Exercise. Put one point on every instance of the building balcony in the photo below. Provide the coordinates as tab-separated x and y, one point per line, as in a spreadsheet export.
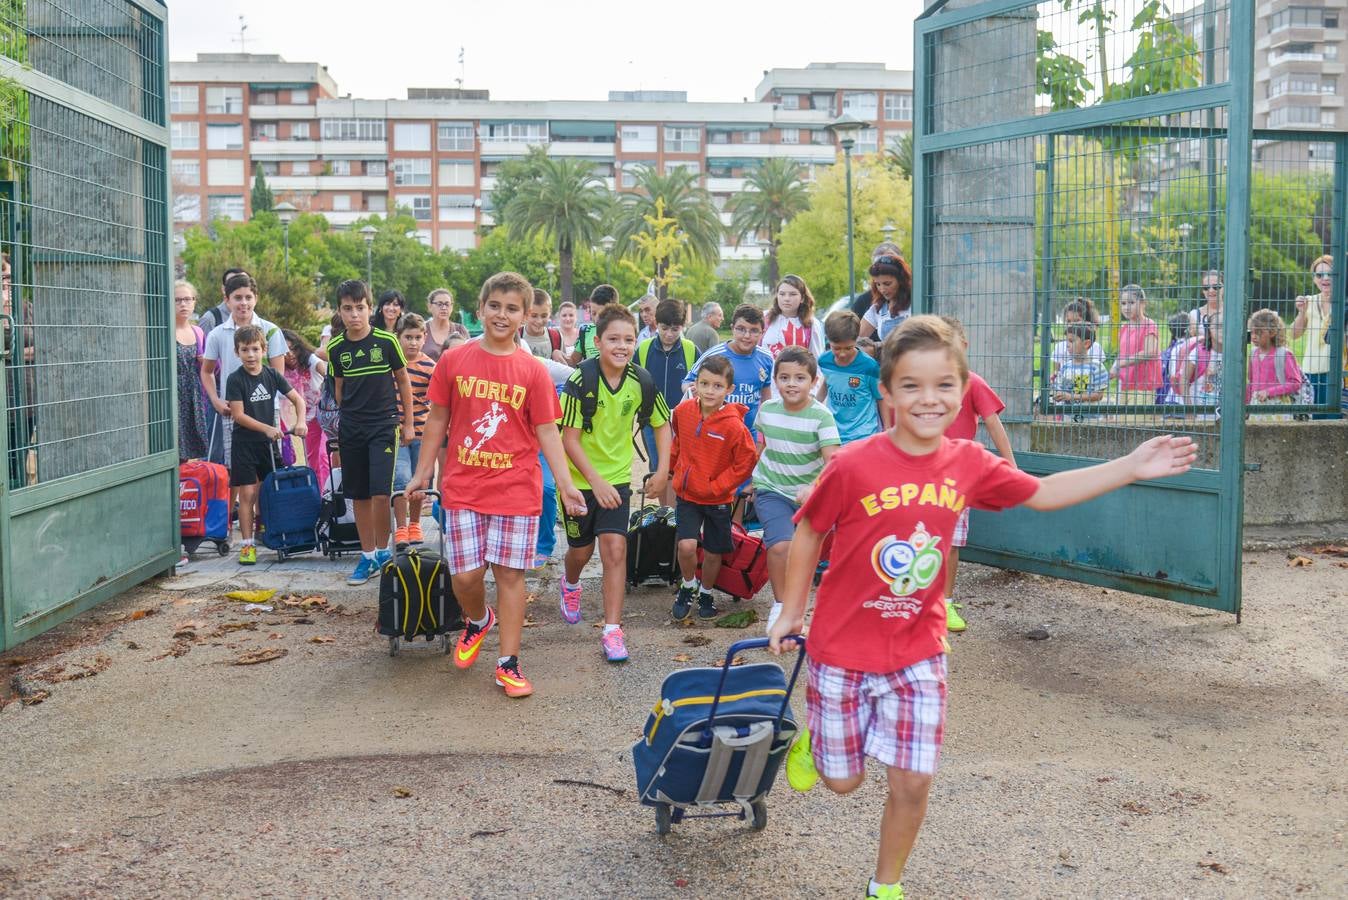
354	149
505	148
805	153
345	218
717	185
284	111
582	149
487	183
328	183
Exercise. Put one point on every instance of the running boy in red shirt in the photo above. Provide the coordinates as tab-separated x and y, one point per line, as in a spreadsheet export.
495	404
876	669
980	402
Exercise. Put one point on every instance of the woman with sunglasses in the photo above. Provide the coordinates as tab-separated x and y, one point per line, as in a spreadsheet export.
390	309
1212	302
439	328
891	296
1314	313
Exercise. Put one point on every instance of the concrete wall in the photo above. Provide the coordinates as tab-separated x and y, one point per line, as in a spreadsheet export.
1299	474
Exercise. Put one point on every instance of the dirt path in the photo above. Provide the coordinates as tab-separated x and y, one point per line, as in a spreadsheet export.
1144	749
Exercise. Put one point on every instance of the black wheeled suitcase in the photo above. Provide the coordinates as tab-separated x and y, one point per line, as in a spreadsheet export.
652	544
416	599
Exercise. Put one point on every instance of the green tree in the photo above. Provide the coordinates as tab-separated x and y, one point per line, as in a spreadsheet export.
565	204
774	194
510	176
900	156
684	201
262	198
814	243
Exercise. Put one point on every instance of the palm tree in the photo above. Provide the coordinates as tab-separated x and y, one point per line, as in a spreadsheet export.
900	155
565	202
685	201
773	194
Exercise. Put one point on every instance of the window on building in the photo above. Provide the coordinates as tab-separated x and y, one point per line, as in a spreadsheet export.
682	139
638	138
751	137
264	131
186	171
789	136
301	167
458	208
1296	115
184	136
300	97
517	132
821	136
184	99
224	100
411	136
1303	17
457	239
376	202
341	202
339	167
1321	151
861	104
868	140
224	206
376	167
419	204
457	174
687	165
270	168
411	171
265	98
187	208
718	137
451	136
299	131
898	107
353	130
629	169
822	101
224	137
790	101
224	172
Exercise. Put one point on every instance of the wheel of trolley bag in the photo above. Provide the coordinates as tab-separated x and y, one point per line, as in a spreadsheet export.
222	547
760	808
393	645
662	818
444	644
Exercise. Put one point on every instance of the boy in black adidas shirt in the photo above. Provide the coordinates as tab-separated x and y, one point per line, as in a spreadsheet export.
251	393
370	374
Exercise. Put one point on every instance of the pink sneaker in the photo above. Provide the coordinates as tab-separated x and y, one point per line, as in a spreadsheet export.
570	602
615	648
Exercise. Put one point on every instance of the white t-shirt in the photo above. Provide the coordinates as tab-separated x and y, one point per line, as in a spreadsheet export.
1062	355
220	346
787	331
882	321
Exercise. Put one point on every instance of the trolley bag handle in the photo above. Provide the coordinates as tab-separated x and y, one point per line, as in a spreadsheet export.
755	644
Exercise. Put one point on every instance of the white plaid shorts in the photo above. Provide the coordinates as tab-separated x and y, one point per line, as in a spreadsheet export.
895	718
474	539
961	536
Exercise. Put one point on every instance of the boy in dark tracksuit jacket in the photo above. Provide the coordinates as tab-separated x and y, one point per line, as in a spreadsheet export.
711	456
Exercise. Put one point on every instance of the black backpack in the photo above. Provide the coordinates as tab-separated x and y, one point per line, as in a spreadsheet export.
589	396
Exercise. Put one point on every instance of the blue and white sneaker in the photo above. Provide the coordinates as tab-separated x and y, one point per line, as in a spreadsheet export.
381	557
365	567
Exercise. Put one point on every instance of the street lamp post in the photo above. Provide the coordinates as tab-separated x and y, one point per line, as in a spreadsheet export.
1185	230
888	232
551	283
286	212
846	128
607	242
368	233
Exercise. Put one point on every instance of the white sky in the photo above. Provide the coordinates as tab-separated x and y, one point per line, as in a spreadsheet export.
540	50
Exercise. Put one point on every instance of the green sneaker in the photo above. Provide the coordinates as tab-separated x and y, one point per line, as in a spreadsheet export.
800	771
885	891
954	623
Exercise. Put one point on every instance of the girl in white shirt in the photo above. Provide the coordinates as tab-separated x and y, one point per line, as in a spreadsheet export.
791	322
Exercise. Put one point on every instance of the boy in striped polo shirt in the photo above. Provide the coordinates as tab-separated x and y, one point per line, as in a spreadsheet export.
796	436
411	331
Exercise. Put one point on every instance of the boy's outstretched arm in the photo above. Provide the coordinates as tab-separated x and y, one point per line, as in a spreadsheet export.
1160	457
800	566
1000	439
434	434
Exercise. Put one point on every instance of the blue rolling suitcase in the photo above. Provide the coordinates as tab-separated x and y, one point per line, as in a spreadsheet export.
717	737
288	504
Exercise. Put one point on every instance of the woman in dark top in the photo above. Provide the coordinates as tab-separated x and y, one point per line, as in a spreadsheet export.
390	310
440	303
190	341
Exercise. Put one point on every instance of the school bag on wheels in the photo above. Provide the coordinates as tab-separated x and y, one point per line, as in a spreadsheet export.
652	543
337	532
203	505
716	737
416	598
287	510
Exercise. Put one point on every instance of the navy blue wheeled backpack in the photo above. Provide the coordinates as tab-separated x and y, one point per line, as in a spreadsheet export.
288	504
717	736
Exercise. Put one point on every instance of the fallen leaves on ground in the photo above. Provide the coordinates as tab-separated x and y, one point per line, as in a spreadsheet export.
401	793
1299	562
321	639
58	674
1139	809
738	660
682	657
139	614
529	623
253	657
742	619
188	630
1213	866
226	627
261	596
180	648
33	698
295	601
530	597
696	640
1331	549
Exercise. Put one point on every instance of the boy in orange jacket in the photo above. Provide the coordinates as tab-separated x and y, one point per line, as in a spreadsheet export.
712	454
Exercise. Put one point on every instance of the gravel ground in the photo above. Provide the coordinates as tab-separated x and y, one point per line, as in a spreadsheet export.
1144	749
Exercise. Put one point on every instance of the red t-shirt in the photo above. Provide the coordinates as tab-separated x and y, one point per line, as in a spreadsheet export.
881	605
980	401
495	403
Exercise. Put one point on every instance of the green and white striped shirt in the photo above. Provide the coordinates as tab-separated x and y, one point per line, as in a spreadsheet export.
792	455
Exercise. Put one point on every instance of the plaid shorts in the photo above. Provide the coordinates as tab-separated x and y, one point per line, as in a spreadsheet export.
895	718
961	537
474	539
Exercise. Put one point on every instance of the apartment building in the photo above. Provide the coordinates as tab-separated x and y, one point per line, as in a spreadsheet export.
437	153
1299	55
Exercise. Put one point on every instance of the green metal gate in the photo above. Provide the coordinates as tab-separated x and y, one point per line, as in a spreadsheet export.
1068	150
88	495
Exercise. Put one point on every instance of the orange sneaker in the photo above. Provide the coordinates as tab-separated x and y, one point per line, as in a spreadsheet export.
414	535
470	642
400	536
508	677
